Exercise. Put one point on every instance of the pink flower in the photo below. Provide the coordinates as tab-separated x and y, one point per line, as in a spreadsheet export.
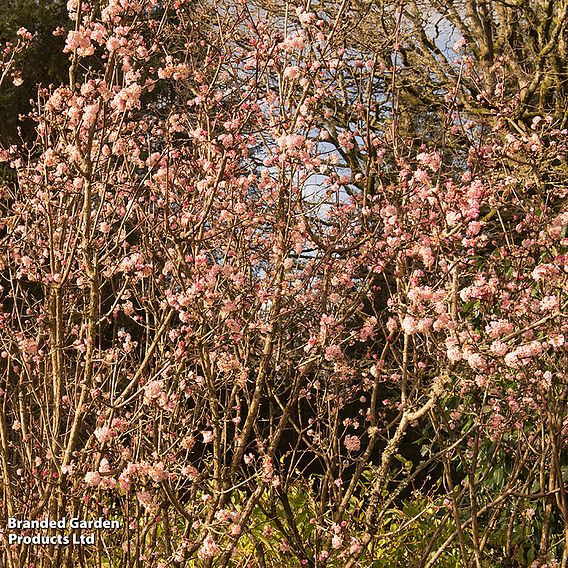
147	501
543	271
431	160
511	359
208	549
355	546
498	348
409	325
104	467
119	424
291	142
459	45
207	436
124	481
93	478
188	442
127	98
291	72
80	42
345	140
158	472
306	18
153	391
549	304
368	329
333	353
104	227
421	176
424	324
352	443
293	42
68	469
336	541
498	327
392	324
190	472
476	361
24	34
453	350
104	434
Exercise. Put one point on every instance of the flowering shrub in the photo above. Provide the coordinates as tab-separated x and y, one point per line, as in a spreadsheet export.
9	57
229	304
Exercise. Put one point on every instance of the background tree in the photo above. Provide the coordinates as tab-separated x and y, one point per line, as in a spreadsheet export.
43	63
